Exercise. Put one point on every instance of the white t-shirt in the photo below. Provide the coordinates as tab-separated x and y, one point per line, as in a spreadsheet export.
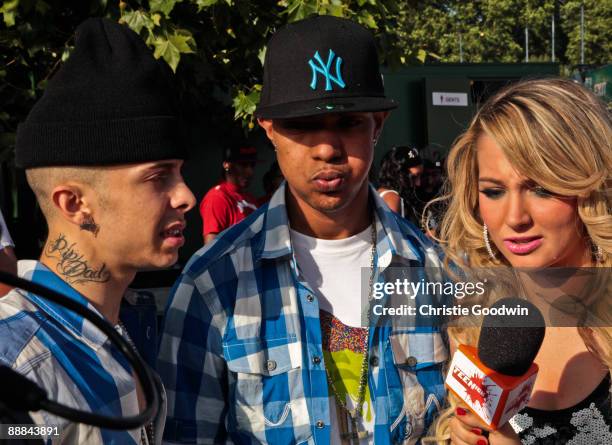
5	236
333	271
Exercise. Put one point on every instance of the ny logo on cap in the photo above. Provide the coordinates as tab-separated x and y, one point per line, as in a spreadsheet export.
324	69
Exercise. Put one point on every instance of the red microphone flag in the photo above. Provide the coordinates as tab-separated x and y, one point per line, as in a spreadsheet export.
492	396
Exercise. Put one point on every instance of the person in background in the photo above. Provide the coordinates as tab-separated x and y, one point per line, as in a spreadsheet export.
431	181
228	202
399	176
431	184
529	191
8	261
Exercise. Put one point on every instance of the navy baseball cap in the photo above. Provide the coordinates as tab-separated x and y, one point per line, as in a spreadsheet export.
320	65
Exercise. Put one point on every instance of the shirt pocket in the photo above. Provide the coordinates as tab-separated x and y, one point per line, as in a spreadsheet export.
417	381
267	399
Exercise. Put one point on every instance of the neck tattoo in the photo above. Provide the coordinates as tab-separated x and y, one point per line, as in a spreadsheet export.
72	265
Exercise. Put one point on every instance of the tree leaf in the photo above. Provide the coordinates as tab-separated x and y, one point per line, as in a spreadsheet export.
365	18
137	20
203	4
165	49
170	47
245	104
164	6
335	10
300	9
9	10
261	55
421	55
183	41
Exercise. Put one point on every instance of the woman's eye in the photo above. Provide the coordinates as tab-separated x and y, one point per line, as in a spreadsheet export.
492	193
542	192
159	178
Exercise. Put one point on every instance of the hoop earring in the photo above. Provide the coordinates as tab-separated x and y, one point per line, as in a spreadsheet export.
485	235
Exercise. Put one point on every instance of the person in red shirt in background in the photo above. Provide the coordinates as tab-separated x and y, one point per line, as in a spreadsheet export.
228	202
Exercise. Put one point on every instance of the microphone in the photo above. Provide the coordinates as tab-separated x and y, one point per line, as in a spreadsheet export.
496	379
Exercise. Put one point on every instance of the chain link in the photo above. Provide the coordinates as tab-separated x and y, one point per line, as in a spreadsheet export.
363	380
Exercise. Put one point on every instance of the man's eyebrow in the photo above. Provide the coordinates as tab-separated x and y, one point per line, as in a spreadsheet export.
161	165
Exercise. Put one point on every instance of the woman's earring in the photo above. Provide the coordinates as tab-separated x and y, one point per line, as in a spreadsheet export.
598	253
485	235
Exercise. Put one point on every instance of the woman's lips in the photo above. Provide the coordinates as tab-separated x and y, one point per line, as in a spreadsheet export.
523	246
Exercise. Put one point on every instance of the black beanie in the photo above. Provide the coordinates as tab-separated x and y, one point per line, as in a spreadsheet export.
110	103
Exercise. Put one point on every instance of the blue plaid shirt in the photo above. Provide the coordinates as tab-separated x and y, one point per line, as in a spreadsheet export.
242	329
69	357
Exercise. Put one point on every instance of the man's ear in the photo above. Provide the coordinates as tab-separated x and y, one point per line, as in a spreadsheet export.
70	203
379	121
267	125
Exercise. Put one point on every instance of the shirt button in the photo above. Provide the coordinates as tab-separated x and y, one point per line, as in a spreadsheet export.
320	424
270	365
310	298
316	359
373	361
411	361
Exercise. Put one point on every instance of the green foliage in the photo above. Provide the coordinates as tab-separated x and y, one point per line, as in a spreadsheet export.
597	30
494	30
216	47
8	10
483	30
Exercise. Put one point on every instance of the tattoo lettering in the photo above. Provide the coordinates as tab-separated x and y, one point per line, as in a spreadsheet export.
71	264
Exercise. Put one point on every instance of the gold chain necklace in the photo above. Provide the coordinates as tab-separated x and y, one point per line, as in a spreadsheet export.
357	412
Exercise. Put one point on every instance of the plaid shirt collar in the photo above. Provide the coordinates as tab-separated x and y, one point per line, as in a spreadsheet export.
276	240
76	325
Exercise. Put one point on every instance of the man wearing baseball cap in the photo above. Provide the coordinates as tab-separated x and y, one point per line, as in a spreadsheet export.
264	340
103	157
228	202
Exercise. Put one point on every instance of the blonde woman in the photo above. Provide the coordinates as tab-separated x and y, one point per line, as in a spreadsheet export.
529	187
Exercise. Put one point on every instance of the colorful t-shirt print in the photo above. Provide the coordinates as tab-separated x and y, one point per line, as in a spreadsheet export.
343	349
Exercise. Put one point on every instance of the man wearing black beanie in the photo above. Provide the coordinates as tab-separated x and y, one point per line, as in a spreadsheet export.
101	153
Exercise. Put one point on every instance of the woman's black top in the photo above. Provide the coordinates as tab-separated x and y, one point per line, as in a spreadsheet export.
587	423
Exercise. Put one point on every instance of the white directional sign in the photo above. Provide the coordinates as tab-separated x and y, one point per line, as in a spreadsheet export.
449	99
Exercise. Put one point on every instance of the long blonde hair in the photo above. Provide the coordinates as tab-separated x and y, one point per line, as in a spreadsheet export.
558	134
